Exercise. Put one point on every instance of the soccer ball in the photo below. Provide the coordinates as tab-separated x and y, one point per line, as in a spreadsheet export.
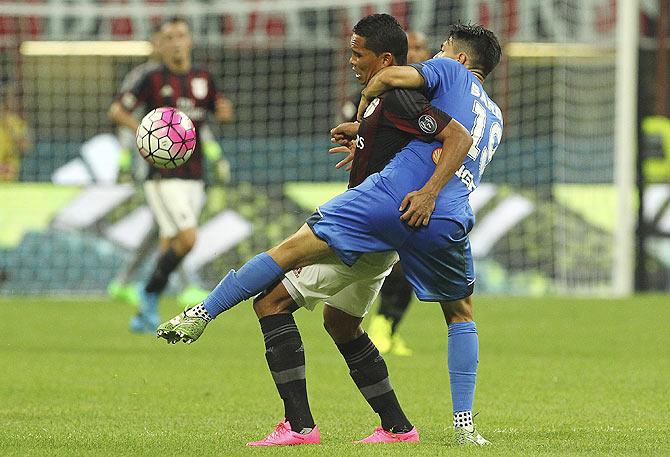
166	137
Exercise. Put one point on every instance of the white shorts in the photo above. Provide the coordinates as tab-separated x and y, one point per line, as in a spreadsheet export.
349	289
175	203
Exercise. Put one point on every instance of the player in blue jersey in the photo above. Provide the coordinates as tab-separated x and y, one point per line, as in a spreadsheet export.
436	257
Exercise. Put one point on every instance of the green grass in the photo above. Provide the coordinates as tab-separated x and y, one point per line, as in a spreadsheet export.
556	377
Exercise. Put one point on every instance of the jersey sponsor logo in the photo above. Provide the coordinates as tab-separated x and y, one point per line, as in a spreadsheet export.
371	107
199	87
166	91
428	124
466	177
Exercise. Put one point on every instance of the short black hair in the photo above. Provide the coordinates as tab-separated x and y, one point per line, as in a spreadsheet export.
383	33
480	43
156	28
176	20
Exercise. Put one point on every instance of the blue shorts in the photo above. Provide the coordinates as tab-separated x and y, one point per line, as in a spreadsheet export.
436	259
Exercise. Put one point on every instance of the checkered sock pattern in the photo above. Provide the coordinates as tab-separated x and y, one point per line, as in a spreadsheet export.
199	311
463	419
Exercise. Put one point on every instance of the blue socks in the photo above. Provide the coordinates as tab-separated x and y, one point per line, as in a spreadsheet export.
463	355
254	277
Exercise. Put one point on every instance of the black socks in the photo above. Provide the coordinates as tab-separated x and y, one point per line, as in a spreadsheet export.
166	264
368	370
286	359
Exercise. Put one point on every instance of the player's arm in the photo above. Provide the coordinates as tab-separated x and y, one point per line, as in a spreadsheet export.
399	77
420	204
121	116
133	92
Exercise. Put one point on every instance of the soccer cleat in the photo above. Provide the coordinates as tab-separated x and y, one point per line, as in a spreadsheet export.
380	333
137	324
469	436
284	436
124	292
182	327
382	436
399	347
148	309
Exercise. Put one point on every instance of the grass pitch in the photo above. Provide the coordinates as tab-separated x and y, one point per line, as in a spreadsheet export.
556	377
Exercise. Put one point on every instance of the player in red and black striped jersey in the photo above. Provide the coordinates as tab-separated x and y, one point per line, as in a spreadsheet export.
175	196
392	120
396	293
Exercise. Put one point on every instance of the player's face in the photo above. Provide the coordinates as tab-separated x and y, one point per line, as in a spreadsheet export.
364	62
176	42
417	50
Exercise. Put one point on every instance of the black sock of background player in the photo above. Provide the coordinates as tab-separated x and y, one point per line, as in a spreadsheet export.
368	370
286	359
396	293
166	264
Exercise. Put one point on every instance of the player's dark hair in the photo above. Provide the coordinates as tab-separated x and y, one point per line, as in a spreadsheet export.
480	43
176	20
156	28
383	33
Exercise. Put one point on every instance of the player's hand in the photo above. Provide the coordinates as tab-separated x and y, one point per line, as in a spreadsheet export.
224	110
350	151
420	205
344	133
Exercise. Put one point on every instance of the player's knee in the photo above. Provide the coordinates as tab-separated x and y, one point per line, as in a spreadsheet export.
458	310
185	241
341	330
274	301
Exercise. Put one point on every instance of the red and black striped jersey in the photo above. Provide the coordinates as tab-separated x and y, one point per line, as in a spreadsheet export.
390	122
194	93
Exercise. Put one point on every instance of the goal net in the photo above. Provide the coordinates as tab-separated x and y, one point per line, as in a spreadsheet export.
72	213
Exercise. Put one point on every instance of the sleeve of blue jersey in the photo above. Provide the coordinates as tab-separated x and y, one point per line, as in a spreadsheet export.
438	74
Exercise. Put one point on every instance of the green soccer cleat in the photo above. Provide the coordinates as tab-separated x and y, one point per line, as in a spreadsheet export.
186	327
469	436
399	346
124	292
380	332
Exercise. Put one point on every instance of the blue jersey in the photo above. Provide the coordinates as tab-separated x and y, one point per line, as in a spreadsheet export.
457	92
437	259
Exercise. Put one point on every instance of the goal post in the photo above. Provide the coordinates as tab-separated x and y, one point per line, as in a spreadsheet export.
626	128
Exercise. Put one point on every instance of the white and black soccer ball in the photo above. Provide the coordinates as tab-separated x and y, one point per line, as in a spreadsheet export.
166	137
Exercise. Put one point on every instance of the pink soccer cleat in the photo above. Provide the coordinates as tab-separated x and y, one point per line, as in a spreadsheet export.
382	436
284	436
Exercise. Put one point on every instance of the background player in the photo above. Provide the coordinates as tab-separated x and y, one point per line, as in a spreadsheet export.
191	89
121	288
396	292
